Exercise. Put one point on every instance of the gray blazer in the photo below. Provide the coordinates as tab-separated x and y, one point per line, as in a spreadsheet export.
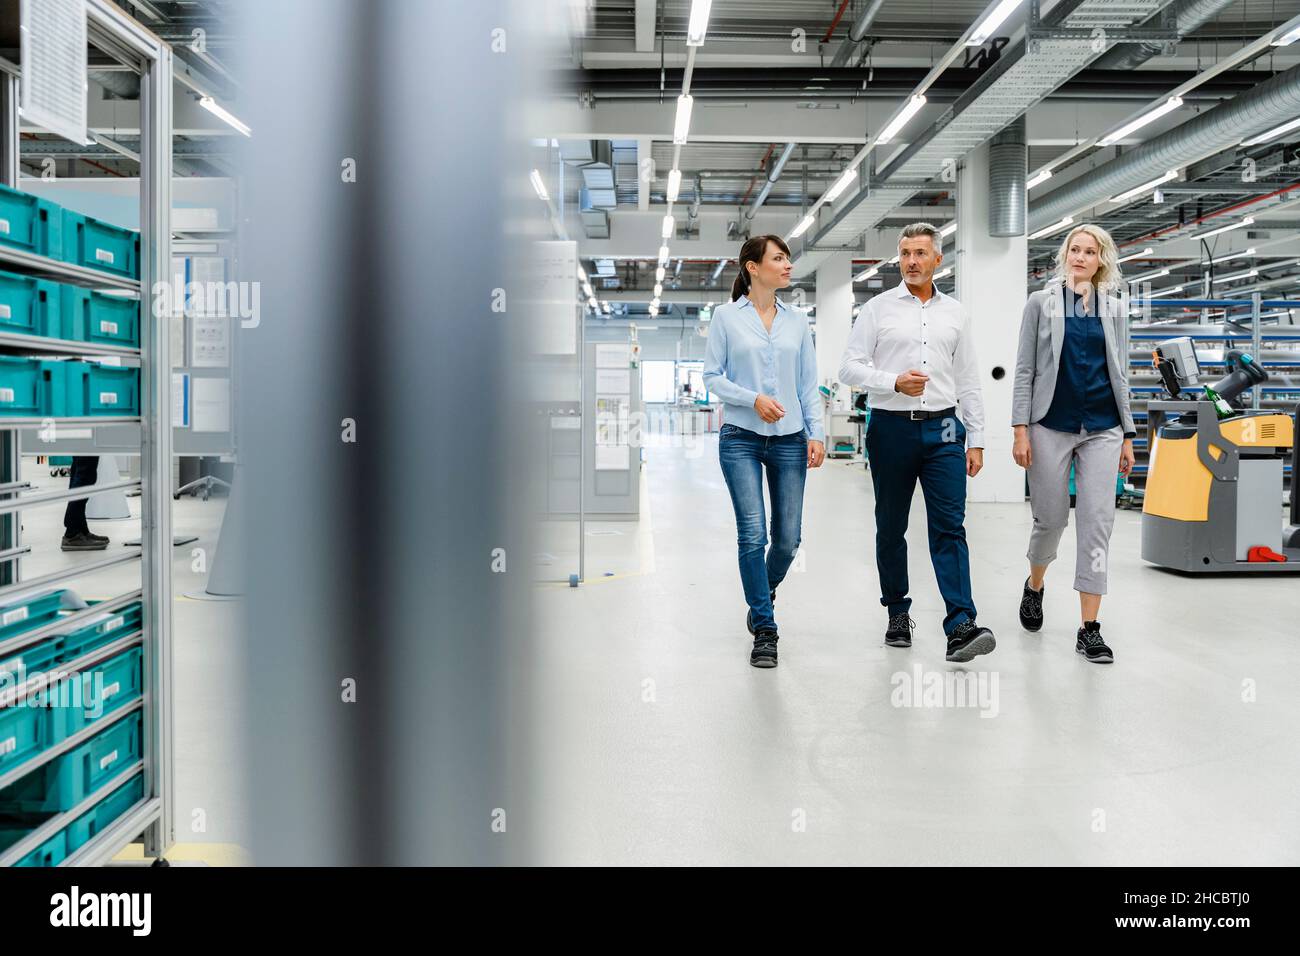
1042	331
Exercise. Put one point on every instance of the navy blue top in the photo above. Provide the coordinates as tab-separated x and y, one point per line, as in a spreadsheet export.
1083	397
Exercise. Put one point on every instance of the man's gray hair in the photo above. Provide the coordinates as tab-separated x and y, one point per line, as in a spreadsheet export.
922	229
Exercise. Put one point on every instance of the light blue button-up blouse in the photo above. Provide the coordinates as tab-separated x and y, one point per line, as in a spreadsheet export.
743	360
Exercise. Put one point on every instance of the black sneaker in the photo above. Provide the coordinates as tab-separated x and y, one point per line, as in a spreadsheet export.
968	640
899	631
764	652
749	615
1091	646
96	537
1031	607
83	542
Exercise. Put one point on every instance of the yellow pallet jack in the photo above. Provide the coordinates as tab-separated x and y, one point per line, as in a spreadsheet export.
1215	479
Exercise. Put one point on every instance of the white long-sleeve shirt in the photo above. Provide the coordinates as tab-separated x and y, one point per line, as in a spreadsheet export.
896	332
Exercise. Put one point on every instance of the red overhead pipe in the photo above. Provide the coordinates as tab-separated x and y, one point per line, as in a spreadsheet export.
836	22
1211	215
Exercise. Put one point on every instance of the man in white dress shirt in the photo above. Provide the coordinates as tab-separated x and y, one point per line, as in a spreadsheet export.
912	350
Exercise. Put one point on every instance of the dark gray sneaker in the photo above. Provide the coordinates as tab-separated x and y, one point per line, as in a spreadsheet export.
749	615
97	537
1031	607
1091	646
83	542
899	631
764	652
968	640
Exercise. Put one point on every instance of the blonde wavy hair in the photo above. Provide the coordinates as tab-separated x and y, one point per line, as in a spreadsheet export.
1107	277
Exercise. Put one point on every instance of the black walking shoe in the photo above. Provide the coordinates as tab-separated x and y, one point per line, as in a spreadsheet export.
1091	646
1031	607
968	640
764	652
899	631
96	537
749	615
83	542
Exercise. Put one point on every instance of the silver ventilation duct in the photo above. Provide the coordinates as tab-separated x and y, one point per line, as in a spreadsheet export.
1008	162
1188	14
1270	104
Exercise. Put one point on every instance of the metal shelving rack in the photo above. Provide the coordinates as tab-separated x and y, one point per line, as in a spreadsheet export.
114	33
1258	338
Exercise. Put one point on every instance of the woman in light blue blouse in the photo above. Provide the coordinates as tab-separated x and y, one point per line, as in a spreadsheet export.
760	362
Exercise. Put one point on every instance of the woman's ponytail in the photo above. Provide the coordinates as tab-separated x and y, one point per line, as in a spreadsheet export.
741	285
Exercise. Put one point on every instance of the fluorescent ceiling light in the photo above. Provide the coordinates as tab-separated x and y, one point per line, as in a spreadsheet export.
948	230
914	103
1168	106
539	187
219	111
1232	278
1248	221
863	276
894	261
667	230
1038	179
582	275
648	328
674	184
663	254
698	24
604	307
1286	39
586	289
1176	288
1145	187
841	184
990	23
654	303
945	272
1054	227
659	290
659	274
682	125
1137	255
1233	255
800	229
1148	277
1274	132
722	263
654	310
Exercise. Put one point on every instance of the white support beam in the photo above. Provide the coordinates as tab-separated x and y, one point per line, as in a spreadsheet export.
715	122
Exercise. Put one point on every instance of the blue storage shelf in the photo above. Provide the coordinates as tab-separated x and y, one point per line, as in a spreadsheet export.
94	244
62	783
90	316
30	306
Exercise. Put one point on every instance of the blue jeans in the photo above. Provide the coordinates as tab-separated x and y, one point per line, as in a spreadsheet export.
743	455
933	451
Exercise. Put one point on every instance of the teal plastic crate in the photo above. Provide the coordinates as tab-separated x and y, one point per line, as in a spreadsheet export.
29	611
101	631
50	853
106	812
104	688
26	731
27	386
31	224
89	316
31	306
71	777
96	244
88	389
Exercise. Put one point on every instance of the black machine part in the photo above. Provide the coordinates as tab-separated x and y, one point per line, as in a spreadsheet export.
1243	373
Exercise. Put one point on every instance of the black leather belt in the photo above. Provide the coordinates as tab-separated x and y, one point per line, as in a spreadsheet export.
916	416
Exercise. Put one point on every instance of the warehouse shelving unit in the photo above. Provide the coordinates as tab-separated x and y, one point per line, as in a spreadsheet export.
1275	347
114	33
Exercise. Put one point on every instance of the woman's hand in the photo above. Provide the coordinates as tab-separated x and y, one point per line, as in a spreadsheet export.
1021	451
816	453
769	409
1126	457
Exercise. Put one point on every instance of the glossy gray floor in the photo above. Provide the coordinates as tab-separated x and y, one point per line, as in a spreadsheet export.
656	742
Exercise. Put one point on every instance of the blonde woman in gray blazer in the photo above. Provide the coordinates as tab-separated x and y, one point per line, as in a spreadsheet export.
1070	406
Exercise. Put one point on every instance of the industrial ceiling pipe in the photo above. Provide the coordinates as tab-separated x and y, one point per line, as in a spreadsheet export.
857	32
773	174
1270	104
1189	14
1008	162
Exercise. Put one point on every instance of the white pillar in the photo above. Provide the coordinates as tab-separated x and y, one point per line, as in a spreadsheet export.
834	319
992	284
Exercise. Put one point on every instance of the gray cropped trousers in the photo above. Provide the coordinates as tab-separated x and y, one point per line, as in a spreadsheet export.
1096	464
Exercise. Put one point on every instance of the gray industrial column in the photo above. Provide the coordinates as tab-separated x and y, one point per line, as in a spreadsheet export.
991	284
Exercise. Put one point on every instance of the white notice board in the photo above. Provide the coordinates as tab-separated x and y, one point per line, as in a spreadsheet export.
557	293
